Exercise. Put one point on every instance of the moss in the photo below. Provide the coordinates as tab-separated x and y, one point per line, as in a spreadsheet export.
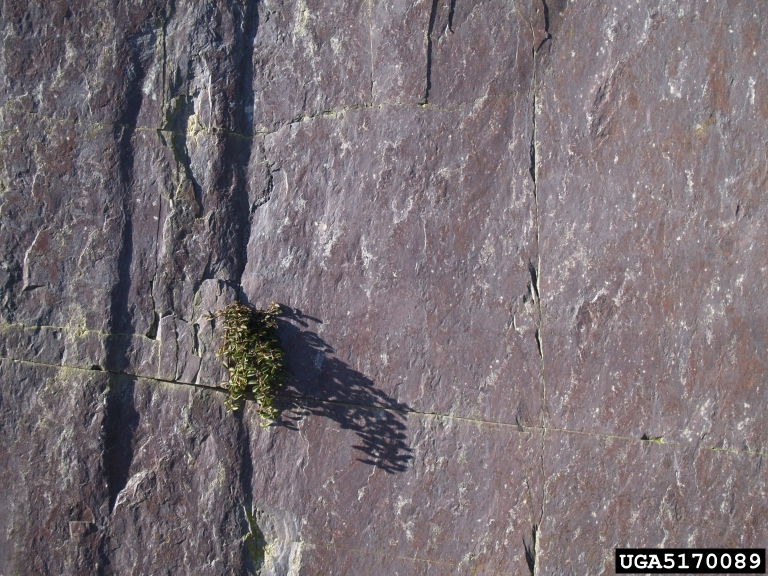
251	352
657	439
255	543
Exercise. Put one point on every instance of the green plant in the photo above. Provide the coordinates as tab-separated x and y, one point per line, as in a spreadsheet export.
255	543
251	352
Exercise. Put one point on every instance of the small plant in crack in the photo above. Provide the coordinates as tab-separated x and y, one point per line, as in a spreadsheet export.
251	352
657	439
255	544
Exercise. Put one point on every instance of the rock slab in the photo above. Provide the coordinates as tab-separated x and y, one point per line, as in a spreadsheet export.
520	251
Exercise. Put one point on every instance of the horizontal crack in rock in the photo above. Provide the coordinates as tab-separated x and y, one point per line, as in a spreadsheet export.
380	107
513	426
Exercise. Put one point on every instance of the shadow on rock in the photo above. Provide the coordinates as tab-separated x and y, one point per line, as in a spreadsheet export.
322	385
120	422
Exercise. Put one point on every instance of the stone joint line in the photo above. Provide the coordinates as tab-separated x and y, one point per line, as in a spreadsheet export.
210	130
513	426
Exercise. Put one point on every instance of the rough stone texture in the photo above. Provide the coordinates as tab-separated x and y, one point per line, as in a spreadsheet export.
54	497
602	493
515	242
398	276
651	166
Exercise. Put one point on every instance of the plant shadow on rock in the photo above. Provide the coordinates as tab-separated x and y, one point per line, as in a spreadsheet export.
320	384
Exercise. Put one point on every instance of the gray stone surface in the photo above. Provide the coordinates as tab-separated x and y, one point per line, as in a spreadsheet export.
55	500
602	493
520	249
652	183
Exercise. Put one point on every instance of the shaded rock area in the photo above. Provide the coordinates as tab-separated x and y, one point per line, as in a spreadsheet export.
520	248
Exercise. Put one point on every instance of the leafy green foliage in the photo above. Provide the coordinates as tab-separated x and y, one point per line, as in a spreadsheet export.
251	352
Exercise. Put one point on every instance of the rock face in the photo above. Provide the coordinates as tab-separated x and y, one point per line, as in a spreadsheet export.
514	241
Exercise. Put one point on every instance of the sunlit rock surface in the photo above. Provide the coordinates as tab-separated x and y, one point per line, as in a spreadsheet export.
520	249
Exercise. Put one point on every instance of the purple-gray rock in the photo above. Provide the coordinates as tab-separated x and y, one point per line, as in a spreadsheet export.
520	249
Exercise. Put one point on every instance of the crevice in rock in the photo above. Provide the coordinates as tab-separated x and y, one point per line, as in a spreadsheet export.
120	313
534	280
534	265
537	335
543	500
77	331
120	421
119	307
166	89
96	367
244	88
432	17
153	328
246	489
239	154
370	36
647	438
119	320
547	35
195	339
530	551
532	148
534	269
450	15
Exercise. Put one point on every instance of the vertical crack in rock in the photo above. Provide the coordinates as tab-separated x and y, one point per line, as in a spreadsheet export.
120	321
120	421
538	343
531	546
532	150
537	525
158	248
121	417
247	47
450	15
534	269
432	17
270	186
164	88
534	266
370	36
530	551
246	491
241	156
547	35
158	216
534	292
153	328
164	105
